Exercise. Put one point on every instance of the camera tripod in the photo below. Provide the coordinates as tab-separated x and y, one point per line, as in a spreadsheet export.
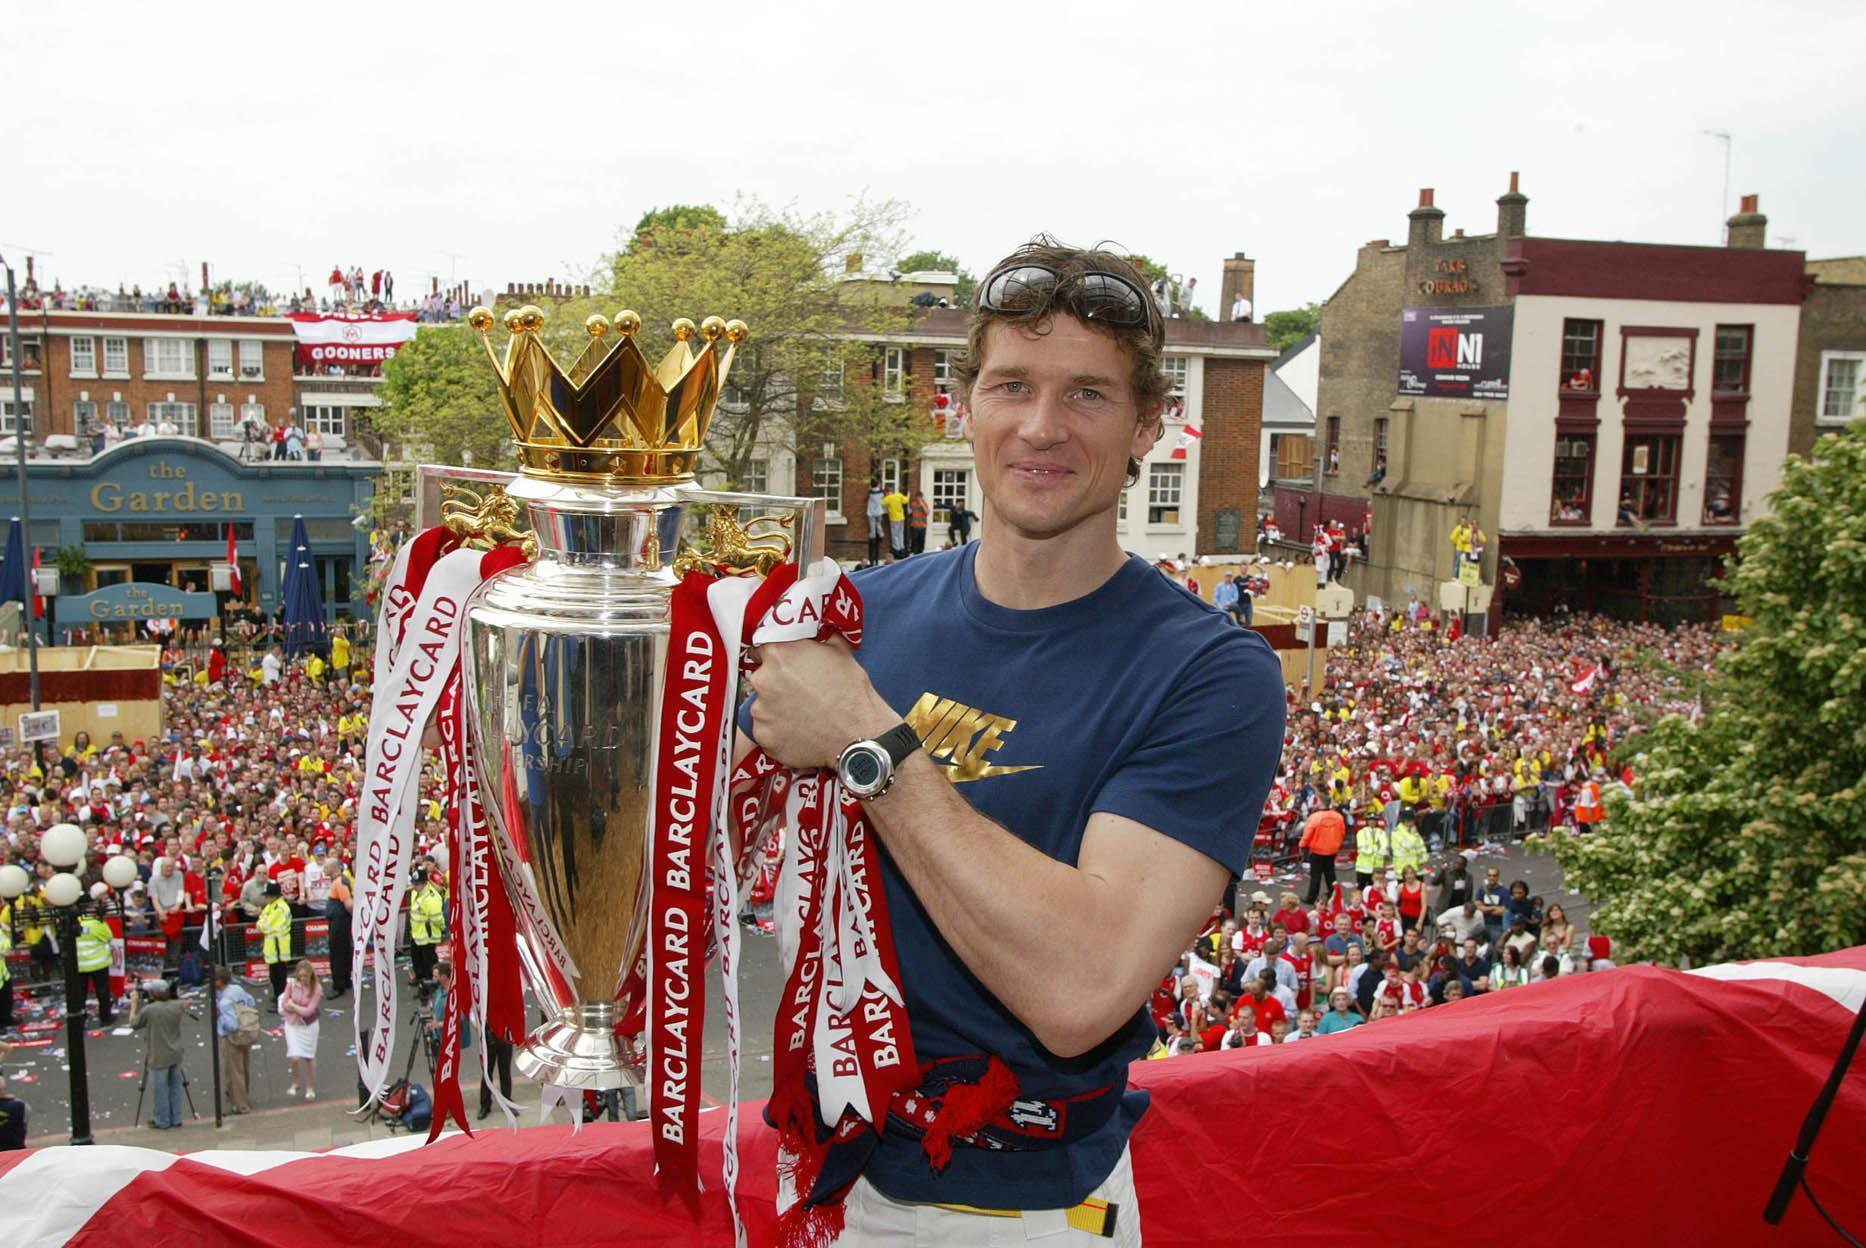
142	1084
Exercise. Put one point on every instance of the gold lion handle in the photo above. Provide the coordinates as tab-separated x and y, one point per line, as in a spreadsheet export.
484	517
792	528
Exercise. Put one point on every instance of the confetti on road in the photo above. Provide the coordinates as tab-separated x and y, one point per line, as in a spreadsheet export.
123	1031
25	1078
32	1044
127	1074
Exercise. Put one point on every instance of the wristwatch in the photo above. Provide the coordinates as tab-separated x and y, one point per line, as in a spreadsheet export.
866	768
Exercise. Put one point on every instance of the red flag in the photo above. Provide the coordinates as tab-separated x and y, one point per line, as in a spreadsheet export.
233	562
38	599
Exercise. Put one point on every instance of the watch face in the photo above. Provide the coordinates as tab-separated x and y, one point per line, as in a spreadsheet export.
862	769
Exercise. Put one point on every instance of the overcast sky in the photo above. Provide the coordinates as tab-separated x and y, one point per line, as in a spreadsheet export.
511	142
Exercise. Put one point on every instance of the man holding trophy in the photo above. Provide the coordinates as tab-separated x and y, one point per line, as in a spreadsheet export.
1064	755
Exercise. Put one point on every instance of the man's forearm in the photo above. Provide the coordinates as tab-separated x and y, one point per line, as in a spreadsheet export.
1037	932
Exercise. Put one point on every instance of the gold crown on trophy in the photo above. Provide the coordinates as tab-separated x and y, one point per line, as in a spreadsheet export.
612	416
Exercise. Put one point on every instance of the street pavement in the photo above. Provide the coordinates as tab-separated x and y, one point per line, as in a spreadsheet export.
38	1075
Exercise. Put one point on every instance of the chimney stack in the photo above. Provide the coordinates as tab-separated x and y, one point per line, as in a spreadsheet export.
1428	221
1240	278
1512	211
1748	227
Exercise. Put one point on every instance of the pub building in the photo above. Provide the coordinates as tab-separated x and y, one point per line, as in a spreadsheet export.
1612	415
153	512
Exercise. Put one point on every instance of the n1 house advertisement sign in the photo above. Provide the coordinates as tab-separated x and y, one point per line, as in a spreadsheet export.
1455	353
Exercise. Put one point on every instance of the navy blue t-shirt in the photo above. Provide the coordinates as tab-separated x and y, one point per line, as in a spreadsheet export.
1137	699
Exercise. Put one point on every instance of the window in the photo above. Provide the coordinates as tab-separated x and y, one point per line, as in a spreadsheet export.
1164	482
1649	479
827	385
83	412
8	419
116	357
167	357
1723	479
1332	463
326	419
29	350
757	476
889	470
181	415
252	360
117	412
1120	514
894	374
952	487
1840	390
1177	368
84	357
945	372
826	482
1580	355
1730	369
1380	446
220	358
219	420
1572	499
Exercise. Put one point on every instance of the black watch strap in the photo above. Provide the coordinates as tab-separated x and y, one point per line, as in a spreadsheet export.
899	741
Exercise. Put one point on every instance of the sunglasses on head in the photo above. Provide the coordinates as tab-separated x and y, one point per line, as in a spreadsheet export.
1096	295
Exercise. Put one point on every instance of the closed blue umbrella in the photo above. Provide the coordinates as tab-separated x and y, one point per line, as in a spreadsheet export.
303	600
13	573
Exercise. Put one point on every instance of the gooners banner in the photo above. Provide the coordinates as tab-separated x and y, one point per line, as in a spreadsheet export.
325	340
1455	353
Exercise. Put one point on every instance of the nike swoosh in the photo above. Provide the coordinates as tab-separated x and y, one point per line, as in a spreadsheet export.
954	774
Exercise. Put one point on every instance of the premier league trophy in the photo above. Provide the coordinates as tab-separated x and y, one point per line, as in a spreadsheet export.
565	658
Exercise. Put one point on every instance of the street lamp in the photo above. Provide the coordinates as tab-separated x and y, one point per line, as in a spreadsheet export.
63	845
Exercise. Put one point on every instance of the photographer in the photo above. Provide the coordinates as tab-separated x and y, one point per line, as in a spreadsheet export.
160	1016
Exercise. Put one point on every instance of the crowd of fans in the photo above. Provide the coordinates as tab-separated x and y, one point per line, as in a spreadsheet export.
348	291
1418	749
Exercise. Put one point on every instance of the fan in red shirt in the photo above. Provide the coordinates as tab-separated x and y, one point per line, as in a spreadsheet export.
1291	916
1303	963
1258	1002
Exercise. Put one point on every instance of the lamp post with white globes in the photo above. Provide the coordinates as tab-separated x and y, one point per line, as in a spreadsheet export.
63	846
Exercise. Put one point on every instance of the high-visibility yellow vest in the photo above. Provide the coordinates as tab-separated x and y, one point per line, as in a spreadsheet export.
93	945
275	923
6	944
424	915
1408	848
1370	848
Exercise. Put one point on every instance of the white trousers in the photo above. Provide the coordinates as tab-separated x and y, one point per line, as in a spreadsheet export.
873	1220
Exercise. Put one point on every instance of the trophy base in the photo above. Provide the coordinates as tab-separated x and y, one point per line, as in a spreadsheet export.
577	1049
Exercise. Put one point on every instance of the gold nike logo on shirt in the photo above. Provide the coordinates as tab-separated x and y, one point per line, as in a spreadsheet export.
958	737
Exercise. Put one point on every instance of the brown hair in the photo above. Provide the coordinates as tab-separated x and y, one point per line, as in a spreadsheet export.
1143	343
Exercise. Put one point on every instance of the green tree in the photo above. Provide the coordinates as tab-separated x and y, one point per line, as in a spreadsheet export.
440	401
811	370
677	226
1285	329
1747	836
938	260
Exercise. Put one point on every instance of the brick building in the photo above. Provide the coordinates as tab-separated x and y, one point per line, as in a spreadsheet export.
1613	415
1830	373
200	373
154	511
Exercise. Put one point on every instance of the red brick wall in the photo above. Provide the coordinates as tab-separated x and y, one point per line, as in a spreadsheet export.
56	389
1232	426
